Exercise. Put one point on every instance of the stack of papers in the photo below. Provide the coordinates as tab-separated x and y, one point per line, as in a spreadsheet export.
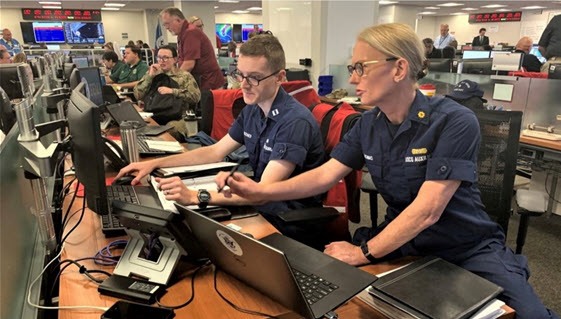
146	115
166	146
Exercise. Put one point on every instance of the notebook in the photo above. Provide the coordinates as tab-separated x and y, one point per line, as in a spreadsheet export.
299	277
125	111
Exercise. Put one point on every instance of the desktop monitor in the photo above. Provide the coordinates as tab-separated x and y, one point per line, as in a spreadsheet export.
475	54
81	62
465	48
537	53
27	32
247	29
92	79
439	65
507	62
224	32
237	33
478	66
48	32
74	79
53	47
9	80
554	71
84	32
497	52
68	69
87	149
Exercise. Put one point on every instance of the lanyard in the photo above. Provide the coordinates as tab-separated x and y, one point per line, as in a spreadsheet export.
442	39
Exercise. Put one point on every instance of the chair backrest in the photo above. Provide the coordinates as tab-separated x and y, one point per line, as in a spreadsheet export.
496	161
302	91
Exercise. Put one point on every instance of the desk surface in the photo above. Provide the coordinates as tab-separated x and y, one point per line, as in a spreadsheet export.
554	145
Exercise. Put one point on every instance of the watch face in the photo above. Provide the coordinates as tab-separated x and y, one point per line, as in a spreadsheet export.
204	196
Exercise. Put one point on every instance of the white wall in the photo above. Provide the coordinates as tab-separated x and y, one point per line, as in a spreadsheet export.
239	18
10	18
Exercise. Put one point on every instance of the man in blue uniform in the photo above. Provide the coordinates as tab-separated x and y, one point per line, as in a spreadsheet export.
281	136
11	44
421	154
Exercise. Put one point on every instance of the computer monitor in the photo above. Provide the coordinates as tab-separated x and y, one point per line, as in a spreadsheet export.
247	29
465	48
507	62
224	32
74	79
87	149
439	65
81	62
475	54
237	33
84	32
53	47
9	81
554	71
27	32
68	69
478	66
48	32
92	78
537	53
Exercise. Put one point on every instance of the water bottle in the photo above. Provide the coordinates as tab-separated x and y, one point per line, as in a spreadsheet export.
129	140
191	123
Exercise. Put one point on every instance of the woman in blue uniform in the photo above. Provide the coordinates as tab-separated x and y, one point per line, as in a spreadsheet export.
422	155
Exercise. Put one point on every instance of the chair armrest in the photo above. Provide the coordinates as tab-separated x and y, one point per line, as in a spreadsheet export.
367	185
315	214
530	202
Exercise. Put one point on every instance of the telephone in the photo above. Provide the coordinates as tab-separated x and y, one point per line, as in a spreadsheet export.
114	154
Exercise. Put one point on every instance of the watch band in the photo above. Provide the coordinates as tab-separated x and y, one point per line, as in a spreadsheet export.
366	252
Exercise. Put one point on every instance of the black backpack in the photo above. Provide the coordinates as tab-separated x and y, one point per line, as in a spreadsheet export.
166	107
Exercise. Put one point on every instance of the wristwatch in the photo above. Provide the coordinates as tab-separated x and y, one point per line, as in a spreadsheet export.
204	197
366	252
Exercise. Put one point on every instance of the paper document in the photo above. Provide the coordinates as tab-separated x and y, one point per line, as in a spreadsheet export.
168	146
146	115
351	100
168	171
206	182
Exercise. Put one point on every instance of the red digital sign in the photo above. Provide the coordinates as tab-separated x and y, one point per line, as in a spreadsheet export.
495	17
61	14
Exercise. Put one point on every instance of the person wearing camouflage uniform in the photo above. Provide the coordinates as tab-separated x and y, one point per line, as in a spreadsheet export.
188	89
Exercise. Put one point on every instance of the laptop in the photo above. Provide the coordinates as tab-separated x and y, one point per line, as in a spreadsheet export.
125	111
299	277
109	95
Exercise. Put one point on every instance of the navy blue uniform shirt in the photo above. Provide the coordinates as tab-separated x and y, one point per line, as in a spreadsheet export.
289	132
438	140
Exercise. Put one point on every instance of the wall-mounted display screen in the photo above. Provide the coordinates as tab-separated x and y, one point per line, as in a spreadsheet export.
237	33
495	17
84	32
27	32
224	32
247	29
48	32
61	14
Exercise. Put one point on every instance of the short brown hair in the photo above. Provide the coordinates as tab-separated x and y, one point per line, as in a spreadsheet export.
267	46
173	12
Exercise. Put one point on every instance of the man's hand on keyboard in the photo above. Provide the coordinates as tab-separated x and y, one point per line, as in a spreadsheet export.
175	190
142	169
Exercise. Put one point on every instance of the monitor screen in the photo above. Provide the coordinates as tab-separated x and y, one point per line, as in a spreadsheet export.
48	32
247	29
537	53
498	52
53	47
84	32
466	47
476	54
81	62
91	77
27	32
237	33
478	66
224	32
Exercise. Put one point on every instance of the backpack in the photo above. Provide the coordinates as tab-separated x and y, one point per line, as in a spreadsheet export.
166	107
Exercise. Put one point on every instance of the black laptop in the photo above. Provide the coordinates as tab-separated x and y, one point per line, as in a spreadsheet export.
125	111
297	276
109	94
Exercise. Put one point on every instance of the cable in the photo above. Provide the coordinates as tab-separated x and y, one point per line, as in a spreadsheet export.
62	307
192	291
250	312
68	260
68	211
105	255
552	196
79	220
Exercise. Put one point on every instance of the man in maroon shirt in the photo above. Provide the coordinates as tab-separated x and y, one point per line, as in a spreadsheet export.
196	53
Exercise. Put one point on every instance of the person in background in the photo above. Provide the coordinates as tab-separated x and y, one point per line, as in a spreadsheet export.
12	45
135	70
448	52
113	64
550	42
198	22
19	58
529	61
422	155
444	38
481	39
194	49
5	57
139	44
254	32
131	43
281	136
232	46
430	51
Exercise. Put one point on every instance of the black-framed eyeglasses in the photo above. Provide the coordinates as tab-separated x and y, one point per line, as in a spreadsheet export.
163	58
359	66
251	80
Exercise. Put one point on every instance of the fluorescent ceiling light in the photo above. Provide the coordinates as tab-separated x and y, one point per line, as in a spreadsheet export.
110	9
458	13
114	4
52	7
450	4
383	2
215	7
284	9
502	10
432	8
50	2
427	12
494	6
255	9
532	7
228	1
240	11
470	9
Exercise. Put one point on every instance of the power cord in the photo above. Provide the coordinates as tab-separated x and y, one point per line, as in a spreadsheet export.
79	220
250	312
192	291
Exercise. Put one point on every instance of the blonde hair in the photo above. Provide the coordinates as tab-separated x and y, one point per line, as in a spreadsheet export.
193	19
400	41
20	57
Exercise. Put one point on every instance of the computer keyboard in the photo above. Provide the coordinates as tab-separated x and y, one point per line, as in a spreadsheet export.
110	225
542	135
143	146
313	287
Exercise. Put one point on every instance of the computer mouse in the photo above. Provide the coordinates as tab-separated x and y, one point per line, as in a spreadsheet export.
123	180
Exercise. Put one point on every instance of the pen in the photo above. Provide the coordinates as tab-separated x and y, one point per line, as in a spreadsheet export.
232	171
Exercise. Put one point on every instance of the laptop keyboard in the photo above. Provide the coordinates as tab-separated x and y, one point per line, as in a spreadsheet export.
143	146
313	287
110	225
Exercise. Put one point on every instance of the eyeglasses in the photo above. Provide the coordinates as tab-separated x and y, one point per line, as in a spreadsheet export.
251	80
163	58
359	66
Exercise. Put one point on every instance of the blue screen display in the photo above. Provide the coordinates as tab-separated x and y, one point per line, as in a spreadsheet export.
224	32
48	32
247	29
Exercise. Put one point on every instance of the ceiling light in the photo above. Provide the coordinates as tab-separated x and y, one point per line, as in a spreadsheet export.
284	9
52	7
427	12
432	8
502	10
114	4
255	9
51	2
450	4
383	2
240	11
494	6
470	9
110	9
532	7
215	7
228	1
458	13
